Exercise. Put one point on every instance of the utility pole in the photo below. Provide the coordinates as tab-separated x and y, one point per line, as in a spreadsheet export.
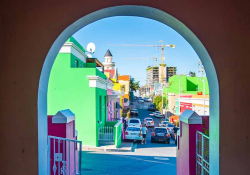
204	86
179	76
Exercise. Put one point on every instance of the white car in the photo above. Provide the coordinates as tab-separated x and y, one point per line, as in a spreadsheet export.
149	121
155	113
163	123
141	101
159	115
150	100
134	122
170	127
133	133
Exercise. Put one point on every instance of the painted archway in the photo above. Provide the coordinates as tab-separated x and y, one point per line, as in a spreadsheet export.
140	11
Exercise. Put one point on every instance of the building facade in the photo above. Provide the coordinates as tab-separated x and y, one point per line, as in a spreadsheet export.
75	83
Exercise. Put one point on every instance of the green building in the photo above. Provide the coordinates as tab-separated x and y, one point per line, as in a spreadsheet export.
75	83
187	85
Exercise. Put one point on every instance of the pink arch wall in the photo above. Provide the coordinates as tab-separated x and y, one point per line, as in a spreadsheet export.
30	28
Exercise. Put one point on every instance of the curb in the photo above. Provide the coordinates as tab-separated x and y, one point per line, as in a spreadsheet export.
121	150
109	150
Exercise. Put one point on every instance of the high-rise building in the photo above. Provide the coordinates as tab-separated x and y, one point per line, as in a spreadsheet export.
171	71
152	76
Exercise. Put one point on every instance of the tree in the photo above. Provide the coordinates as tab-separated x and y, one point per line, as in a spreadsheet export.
192	74
134	85
158	102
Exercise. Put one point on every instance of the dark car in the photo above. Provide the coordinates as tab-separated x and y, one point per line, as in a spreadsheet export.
160	134
134	112
151	107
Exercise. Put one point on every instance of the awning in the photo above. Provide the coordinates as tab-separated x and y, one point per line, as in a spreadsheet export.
118	106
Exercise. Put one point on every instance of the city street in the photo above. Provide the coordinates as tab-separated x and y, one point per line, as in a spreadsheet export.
150	158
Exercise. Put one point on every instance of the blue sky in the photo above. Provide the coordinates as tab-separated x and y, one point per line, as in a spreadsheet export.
137	30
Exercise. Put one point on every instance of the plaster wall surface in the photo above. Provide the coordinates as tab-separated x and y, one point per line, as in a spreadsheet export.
30	28
69	89
183	151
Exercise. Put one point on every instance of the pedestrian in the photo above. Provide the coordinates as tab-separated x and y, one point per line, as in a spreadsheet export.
144	131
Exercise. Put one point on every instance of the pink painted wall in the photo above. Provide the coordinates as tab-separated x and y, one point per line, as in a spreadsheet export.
186	154
183	151
64	130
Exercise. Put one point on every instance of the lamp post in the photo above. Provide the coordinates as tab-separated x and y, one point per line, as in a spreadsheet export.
179	76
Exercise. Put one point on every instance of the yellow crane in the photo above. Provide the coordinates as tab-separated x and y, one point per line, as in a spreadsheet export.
162	46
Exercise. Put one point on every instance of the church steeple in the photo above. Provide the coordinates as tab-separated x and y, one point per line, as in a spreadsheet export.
108	64
108	53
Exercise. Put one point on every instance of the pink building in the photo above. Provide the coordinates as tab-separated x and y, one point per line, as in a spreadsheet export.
190	122
63	125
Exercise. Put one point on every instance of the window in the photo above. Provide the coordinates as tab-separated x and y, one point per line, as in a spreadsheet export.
134	121
157	130
100	109
133	129
76	63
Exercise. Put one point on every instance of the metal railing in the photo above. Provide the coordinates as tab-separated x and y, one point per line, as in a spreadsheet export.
106	134
64	156
202	154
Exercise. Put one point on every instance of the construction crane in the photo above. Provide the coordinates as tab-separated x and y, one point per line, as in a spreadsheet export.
156	64
162	46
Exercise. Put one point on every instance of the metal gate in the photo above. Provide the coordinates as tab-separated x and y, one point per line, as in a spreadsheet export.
106	135
202	154
64	156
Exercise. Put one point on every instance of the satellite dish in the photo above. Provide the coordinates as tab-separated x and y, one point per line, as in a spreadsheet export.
89	55
91	47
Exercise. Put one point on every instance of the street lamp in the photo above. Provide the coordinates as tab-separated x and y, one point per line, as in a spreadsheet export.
179	76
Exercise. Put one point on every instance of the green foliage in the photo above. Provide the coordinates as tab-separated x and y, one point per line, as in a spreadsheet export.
158	102
134	85
192	74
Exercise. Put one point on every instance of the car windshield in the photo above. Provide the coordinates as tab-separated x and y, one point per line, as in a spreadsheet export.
133	129
170	125
134	121
160	130
149	119
165	122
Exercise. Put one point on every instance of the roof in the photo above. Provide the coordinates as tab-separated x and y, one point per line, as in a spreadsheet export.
190	117
108	54
123	77
95	60
63	116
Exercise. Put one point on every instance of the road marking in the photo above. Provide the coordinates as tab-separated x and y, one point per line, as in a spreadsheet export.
161	158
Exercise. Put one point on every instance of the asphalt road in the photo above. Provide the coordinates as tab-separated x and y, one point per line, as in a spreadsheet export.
150	158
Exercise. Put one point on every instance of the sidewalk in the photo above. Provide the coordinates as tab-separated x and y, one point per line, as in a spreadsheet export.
124	147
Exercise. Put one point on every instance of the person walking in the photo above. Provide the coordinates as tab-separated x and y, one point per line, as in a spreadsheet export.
144	131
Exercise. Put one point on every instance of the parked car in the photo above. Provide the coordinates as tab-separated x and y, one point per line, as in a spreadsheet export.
134	112
149	121
150	100
141	101
133	133
156	112
163	123
159	115
160	134
134	122
174	132
151	107
169	127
